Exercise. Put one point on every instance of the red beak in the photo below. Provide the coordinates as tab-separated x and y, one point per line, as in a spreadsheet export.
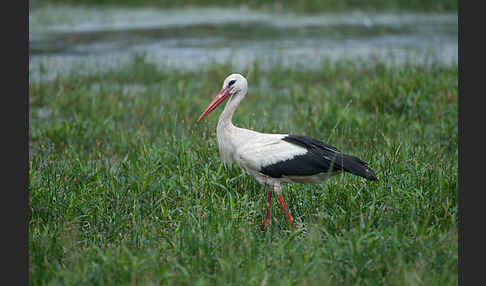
220	97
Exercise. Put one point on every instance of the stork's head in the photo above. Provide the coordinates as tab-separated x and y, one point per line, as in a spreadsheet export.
234	86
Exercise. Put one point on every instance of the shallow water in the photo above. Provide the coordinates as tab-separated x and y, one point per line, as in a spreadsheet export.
64	39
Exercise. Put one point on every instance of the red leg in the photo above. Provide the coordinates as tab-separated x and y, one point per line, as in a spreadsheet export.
284	207
267	219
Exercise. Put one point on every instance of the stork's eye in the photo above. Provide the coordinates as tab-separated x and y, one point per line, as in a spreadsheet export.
231	82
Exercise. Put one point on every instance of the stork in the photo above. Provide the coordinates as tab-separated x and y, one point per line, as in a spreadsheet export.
276	159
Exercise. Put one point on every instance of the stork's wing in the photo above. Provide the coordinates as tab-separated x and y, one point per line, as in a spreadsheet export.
265	150
294	155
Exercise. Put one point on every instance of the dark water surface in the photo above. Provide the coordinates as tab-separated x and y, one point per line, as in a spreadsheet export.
63	39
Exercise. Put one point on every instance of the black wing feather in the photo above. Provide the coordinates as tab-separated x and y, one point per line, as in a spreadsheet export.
320	158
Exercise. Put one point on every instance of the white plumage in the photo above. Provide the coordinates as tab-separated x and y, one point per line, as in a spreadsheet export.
273	159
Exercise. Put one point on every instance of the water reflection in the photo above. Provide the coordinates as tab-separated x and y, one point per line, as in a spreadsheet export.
64	38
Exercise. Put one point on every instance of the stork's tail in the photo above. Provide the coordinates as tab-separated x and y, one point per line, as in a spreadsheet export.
356	166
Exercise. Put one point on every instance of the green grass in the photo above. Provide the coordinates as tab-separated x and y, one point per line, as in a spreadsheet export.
127	189
306	6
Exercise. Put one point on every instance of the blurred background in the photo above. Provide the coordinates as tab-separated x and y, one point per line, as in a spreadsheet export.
126	188
77	35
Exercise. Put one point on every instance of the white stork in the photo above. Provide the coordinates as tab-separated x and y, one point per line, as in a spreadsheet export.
274	159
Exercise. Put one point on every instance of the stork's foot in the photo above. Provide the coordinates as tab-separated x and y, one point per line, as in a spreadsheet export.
267	218
262	226
292	226
284	207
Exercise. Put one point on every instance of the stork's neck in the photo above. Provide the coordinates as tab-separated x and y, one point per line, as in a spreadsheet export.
228	135
225	119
